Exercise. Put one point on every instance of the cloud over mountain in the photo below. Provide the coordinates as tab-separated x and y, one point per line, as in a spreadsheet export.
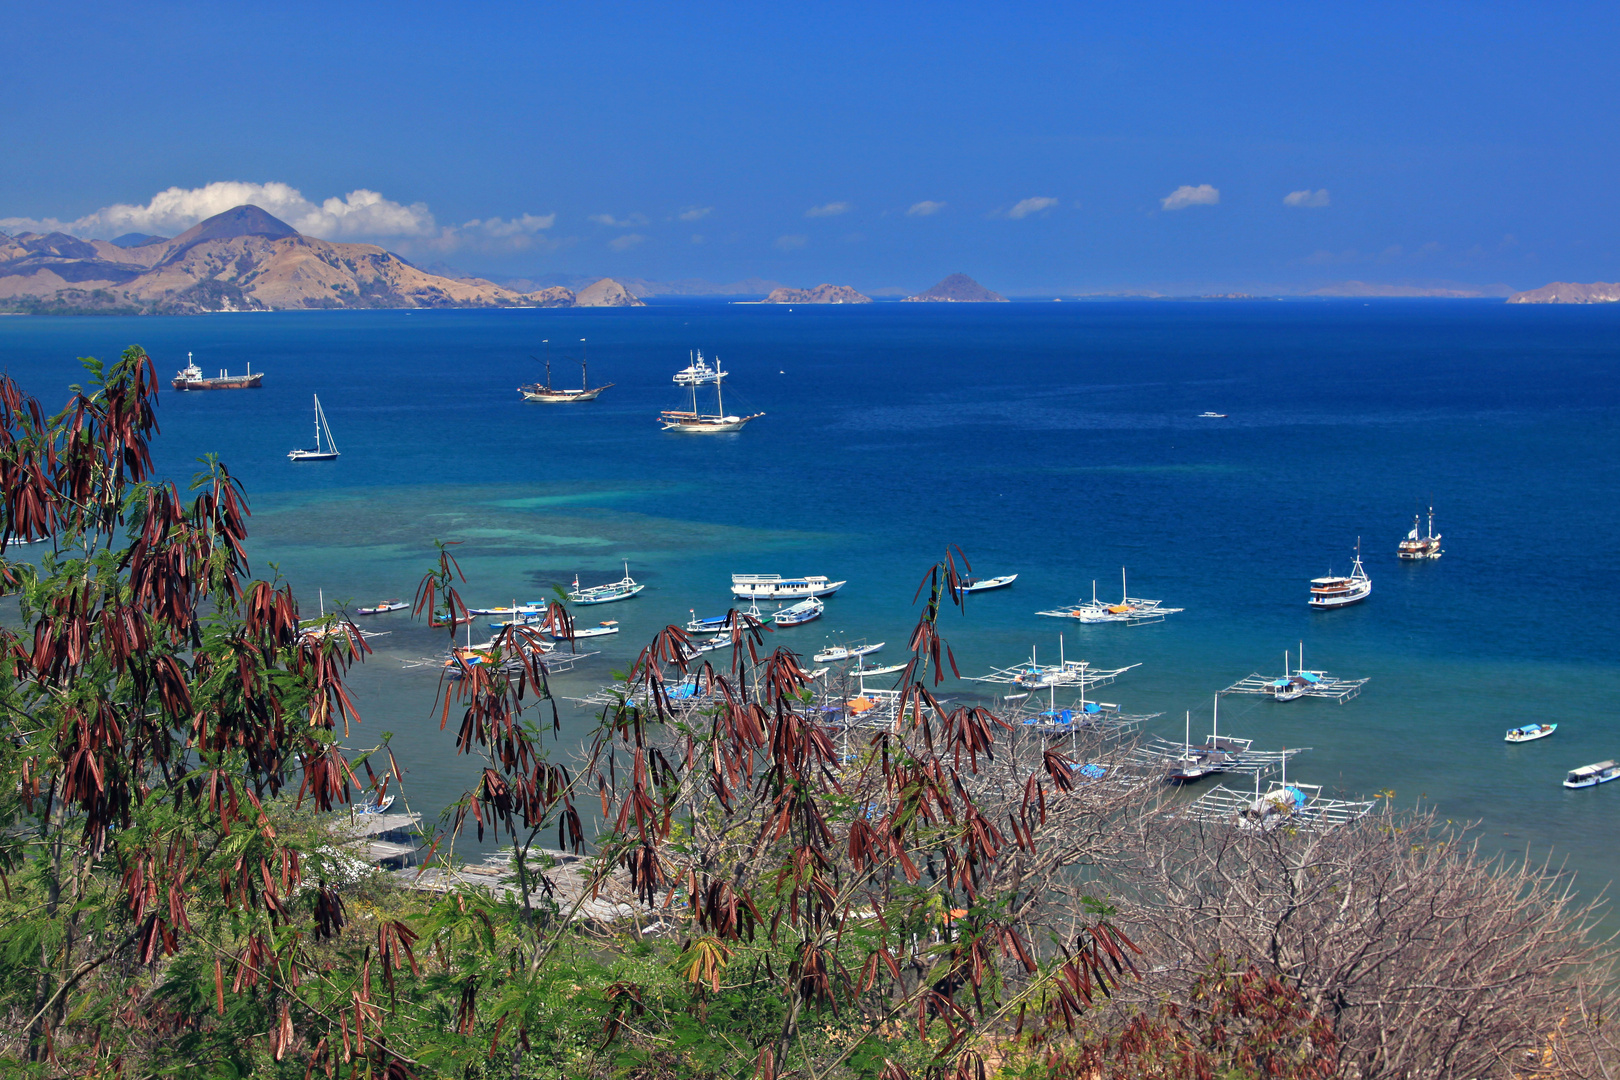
360	214
1186	195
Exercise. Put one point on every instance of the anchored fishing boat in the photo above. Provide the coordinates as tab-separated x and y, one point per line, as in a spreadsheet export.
191	377
777	587
835	653
1131	610
1592	775
1337	592
601	629
1530	732
555	395
1421	547
717	422
1033	675
1300	682
329	451
622	589
802	612
387	605
532	607
986	584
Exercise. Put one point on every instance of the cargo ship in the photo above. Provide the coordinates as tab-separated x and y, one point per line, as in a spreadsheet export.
191	377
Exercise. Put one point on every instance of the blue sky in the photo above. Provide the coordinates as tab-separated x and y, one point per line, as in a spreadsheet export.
1040	148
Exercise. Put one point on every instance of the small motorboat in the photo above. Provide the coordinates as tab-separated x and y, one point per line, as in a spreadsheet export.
1530	732
1212	416
374	805
517	620
986	584
1592	775
601	629
532	607
845	652
797	614
386	605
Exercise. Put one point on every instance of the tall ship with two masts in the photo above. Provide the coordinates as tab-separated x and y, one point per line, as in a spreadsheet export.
191	377
696	374
1421	547
557	395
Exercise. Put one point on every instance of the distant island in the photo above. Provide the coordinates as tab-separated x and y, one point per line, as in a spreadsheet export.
243	260
958	289
821	294
1564	292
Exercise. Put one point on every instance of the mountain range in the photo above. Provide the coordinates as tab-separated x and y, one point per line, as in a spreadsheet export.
244	260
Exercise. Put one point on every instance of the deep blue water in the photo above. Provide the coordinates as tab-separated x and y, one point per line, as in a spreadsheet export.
1058	441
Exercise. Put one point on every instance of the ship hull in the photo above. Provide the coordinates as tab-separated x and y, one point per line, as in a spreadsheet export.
229	382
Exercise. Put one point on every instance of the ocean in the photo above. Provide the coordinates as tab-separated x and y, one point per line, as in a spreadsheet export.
1058	441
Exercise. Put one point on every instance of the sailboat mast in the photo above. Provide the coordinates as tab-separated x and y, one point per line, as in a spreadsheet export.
719	393
585	354
317	423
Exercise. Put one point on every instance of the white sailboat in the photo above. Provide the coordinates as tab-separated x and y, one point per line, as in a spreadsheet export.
717	422
322	452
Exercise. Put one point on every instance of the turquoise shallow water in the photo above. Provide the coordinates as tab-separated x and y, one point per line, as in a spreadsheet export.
1056	441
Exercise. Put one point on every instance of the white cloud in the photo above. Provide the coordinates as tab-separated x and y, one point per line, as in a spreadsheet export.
362	214
1025	207
926	208
618	223
625	242
695	213
1306	198
1186	195
832	209
790	243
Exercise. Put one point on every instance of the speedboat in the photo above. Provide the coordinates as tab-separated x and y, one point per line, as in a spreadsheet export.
802	612
777	587
1337	592
1530	732
986	584
1592	775
1212	416
386	605
623	589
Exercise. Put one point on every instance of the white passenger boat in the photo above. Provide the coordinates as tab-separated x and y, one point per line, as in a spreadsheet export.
1337	592
845	652
699	372
623	589
1530	732
802	612
1212	416
777	587
1592	775
986	584
1421	547
322	452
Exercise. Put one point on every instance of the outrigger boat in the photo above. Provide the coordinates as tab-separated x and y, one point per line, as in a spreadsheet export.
1299	682
386	605
1421	547
1592	775
1131	610
330	452
1530	732
1337	592
601	629
191	377
717	422
623	589
531	607
1283	805
553	395
1032	675
986	584
802	612
777	587
835	653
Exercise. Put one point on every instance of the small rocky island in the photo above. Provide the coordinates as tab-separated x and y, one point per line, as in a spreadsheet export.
1564	292
821	294
958	289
